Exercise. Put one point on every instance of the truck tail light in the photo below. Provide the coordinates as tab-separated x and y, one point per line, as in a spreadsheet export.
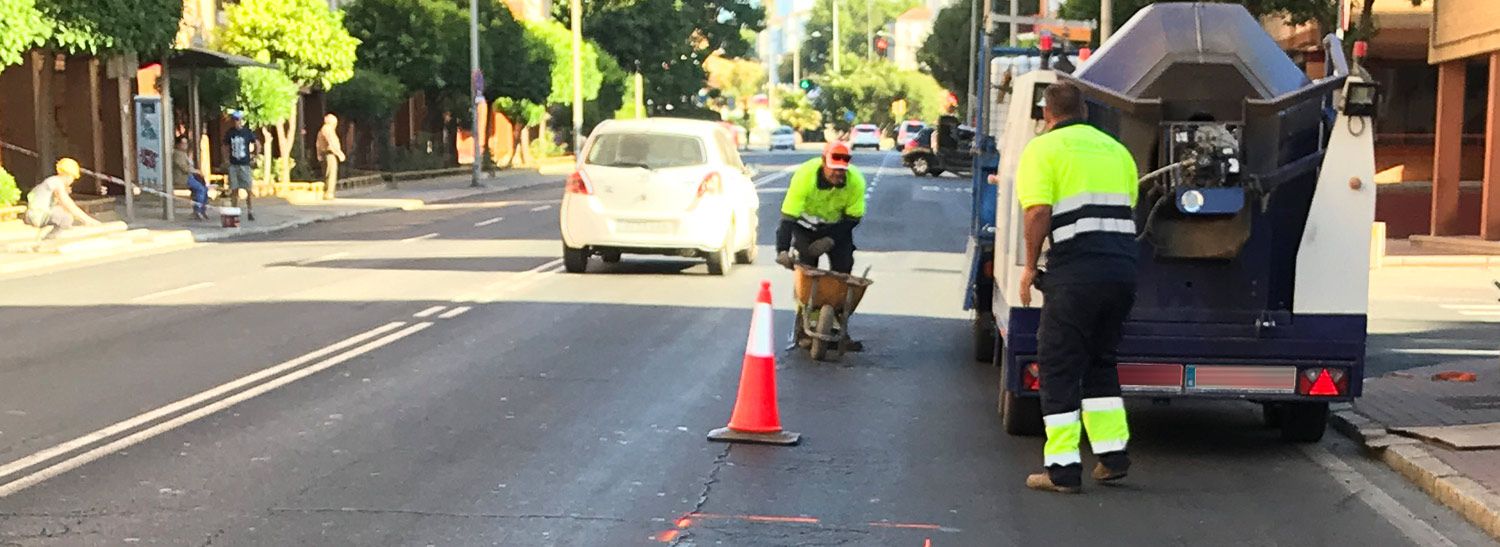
578	183
1031	377
1322	382
711	184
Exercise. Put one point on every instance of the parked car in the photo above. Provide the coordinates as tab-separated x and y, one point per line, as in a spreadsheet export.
908	130
783	138
864	135
936	150
660	186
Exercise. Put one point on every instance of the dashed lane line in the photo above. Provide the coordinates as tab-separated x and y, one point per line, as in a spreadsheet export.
455	312
484	223
429	311
1414	528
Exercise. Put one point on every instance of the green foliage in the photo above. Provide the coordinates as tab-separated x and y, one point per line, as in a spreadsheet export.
738	78
266	96
369	97
516	61
423	43
542	148
21	28
520	112
303	38
1294	11
796	111
10	194
946	51
92	26
559	40
614	92
869	89
852	18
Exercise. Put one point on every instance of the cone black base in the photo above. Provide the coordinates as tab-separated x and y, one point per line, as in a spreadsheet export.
727	435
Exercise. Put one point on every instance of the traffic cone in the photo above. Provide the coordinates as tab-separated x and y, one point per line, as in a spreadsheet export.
755	418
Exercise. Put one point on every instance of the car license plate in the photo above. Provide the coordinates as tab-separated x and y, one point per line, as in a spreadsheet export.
655	227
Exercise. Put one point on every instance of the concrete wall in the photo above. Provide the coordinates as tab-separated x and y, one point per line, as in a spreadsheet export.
1464	28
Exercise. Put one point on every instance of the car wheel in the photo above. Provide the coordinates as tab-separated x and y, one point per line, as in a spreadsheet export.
722	260
748	254
575	260
920	167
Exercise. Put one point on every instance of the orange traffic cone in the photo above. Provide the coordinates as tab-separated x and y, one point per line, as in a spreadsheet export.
755	418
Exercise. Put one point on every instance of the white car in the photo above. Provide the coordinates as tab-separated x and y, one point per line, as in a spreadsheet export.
660	186
909	129
783	138
865	135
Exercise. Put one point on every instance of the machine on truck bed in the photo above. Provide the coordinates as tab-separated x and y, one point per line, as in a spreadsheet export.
1254	211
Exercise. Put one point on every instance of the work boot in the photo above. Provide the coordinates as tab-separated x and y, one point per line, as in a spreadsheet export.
1103	473
1042	481
250	217
854	346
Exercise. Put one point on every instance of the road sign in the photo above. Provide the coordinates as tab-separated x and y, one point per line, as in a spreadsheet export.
898	109
849	116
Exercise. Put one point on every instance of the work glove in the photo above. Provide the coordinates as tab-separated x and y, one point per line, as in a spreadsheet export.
784	258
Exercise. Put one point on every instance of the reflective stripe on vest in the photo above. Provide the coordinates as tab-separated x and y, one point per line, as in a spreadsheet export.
1092	212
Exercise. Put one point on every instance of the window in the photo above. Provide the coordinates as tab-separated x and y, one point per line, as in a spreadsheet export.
730	153
648	150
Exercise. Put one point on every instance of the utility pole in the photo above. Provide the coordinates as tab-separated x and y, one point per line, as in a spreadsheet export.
577	21
1106	19
1011	40
640	93
797	64
973	58
833	44
869	29
476	84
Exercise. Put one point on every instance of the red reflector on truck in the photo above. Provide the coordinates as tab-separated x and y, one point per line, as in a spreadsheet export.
1322	382
1031	377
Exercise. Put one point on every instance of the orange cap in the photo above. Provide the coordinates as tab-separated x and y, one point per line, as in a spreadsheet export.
836	155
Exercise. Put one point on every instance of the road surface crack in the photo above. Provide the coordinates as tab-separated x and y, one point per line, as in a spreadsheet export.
443	514
708	486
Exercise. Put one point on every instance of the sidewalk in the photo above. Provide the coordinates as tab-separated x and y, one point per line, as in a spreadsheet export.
1408	253
1444	436
152	234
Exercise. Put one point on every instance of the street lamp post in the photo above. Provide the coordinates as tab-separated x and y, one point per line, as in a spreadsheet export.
476	90
1106	20
577	23
833	43
869	29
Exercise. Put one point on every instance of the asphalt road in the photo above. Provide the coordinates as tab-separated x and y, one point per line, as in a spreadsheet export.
430	377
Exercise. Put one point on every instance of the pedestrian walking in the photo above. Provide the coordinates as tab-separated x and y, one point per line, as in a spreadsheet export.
1077	185
241	147
332	153
182	169
50	207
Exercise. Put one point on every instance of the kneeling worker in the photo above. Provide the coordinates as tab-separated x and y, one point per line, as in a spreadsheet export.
824	203
1077	185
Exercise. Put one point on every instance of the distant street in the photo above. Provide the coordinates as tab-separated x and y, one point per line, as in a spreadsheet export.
431	377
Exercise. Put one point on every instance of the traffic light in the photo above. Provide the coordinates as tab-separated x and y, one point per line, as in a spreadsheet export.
806	84
881	45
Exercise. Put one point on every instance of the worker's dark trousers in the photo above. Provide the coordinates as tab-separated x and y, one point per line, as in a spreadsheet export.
840	259
1077	341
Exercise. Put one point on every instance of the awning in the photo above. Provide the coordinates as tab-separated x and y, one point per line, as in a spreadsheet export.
197	57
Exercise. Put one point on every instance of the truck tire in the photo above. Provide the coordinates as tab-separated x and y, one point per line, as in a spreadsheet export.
985	339
1303	422
921	166
1019	416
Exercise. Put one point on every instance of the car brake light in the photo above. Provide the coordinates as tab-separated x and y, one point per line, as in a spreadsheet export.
578	183
1031	377
711	184
911	144
1322	382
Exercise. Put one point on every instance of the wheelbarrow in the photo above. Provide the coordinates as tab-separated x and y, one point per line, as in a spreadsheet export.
825	300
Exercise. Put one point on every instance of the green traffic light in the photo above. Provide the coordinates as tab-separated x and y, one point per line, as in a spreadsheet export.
805	84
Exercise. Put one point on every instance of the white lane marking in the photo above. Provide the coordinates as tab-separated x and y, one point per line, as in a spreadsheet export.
540	208
142	419
521	280
421	237
170	292
455	312
1449	352
92	455
324	258
1415	529
879	172
429	311
767	179
484	223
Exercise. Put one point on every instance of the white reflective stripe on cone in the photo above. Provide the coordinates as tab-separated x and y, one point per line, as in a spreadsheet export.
1066	418
1103	403
1078	201
1105	447
1086	225
1071	458
759	344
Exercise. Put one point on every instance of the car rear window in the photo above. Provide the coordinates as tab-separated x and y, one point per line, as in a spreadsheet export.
649	150
782	131
865	128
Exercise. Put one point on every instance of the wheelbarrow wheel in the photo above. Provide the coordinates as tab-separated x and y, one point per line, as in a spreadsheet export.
824	330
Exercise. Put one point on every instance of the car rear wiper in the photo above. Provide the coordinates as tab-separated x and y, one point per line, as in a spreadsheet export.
629	164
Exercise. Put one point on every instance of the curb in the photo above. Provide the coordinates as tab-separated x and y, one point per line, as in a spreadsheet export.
223	236
168	242
1412	460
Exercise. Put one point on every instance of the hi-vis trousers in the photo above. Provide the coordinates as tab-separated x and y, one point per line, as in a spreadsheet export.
1080	387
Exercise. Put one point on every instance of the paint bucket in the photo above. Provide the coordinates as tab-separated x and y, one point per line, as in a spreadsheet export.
229	217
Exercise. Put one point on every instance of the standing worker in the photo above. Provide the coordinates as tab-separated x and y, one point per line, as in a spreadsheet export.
332	154
1077	185
241	148
824	202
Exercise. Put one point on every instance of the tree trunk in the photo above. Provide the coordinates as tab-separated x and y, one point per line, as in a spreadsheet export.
265	154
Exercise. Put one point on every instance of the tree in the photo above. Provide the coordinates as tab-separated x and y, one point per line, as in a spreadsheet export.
559	39
522	114
869	89
797	112
613	89
304	39
738	78
90	26
268	98
21	28
9	192
370	99
1323	12
852	17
